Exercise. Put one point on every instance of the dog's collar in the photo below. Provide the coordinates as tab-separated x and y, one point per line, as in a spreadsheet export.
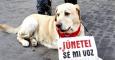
76	33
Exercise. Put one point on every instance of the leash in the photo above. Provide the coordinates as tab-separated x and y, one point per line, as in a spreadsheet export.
86	28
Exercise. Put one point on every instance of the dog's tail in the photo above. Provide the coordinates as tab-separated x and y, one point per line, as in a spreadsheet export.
8	29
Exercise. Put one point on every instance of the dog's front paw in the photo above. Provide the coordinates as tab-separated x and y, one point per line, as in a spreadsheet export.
25	43
34	42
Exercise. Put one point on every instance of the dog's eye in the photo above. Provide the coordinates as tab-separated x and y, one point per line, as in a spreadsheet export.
66	13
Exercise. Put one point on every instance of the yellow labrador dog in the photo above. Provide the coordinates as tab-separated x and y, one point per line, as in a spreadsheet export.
68	20
46	30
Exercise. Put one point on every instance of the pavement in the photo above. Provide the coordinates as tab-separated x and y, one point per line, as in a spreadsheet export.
98	16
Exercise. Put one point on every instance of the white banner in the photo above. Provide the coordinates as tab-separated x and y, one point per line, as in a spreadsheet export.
77	48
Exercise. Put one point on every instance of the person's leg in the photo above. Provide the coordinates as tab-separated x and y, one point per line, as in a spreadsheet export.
48	7
49	10
41	11
66	1
40	7
71	1
44	6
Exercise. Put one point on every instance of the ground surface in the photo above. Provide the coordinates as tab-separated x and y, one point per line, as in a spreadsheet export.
98	16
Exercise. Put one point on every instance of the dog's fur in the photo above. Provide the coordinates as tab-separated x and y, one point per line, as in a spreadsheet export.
43	29
68	16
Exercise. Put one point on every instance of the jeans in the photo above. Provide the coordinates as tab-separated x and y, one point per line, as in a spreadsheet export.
71	1
44	6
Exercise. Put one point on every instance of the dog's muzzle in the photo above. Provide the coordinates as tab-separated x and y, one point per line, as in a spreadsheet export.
73	34
59	26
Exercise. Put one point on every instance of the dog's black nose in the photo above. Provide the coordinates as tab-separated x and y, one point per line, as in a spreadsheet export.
59	25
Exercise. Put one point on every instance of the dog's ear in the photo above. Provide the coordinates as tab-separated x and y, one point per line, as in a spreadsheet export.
56	10
78	10
55	17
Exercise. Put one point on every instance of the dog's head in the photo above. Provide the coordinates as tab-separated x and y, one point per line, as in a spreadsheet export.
67	15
